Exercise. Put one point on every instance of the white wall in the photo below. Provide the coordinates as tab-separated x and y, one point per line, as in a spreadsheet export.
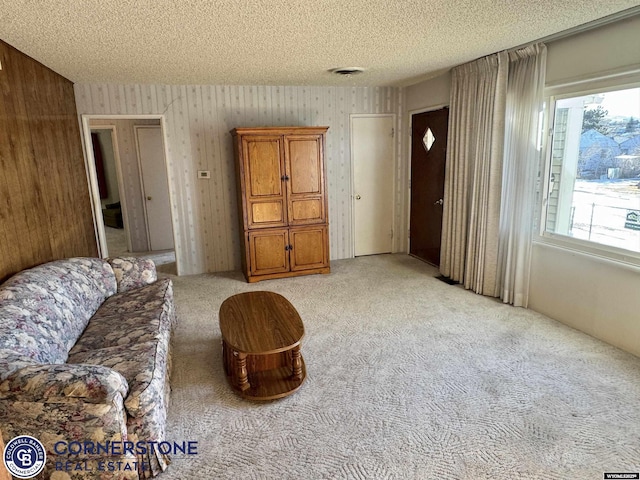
598	297
587	293
611	49
198	120
430	94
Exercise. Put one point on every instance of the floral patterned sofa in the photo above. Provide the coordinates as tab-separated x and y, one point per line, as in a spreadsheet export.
85	358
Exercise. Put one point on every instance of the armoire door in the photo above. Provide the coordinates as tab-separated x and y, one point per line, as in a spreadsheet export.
269	251
264	183
308	248
305	179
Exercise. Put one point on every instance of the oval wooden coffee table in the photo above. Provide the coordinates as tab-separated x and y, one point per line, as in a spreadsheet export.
261	334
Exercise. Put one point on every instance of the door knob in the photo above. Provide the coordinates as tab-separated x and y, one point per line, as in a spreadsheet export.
438	202
358	197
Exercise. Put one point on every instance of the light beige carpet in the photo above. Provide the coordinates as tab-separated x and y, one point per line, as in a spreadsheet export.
408	378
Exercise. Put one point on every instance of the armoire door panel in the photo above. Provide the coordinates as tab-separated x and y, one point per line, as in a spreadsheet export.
308	248
267	214
305	187
304	164
269	251
264	179
263	166
306	211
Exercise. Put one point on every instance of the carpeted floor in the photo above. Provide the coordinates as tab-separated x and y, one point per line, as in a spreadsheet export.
116	241
408	378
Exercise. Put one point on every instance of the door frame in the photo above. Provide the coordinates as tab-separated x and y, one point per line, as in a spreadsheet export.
92	179
352	173
411	113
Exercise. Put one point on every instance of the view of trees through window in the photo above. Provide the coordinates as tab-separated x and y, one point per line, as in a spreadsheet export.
594	182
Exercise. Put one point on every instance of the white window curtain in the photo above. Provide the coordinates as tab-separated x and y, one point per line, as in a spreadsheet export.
485	243
521	161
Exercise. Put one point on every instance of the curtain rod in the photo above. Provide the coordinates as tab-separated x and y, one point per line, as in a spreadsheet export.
614	17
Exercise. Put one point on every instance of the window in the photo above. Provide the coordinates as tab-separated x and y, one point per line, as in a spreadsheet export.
594	172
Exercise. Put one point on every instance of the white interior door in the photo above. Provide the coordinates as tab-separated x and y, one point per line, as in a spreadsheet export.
155	187
373	174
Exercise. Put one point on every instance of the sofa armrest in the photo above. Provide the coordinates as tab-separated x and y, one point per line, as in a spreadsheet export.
132	272
63	403
64	383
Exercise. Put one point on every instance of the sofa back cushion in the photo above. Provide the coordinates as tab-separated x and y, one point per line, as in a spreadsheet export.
29	335
45	309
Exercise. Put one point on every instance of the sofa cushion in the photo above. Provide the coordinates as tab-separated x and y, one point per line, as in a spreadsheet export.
29	334
133	272
143	365
61	297
149	297
132	317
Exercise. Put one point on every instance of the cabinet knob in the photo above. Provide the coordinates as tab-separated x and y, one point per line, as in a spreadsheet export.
284	178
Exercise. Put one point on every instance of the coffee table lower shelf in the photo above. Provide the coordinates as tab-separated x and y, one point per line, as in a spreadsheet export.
273	384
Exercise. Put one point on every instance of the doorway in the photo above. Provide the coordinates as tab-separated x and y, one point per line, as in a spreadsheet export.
428	157
372	154
104	146
140	216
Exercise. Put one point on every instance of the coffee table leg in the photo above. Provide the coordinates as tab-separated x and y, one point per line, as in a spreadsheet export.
225	362
296	363
241	370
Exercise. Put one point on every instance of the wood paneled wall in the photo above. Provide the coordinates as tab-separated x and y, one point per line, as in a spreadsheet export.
198	119
45	211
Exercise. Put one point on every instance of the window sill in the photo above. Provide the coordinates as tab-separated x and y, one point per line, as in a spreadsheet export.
602	253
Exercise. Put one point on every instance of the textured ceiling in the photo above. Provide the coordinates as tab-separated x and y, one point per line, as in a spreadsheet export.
278	42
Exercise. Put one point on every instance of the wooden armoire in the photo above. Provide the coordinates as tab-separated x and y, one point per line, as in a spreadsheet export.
282	201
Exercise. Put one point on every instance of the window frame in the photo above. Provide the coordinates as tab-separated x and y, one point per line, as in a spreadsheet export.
552	94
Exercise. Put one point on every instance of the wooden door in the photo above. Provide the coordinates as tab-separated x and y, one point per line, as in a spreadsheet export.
308	248
269	251
264	175
373	174
428	156
155	187
304	179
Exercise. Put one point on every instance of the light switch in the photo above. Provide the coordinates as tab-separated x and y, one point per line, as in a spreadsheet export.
204	174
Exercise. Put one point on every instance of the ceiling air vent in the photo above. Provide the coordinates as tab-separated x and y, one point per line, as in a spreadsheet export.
347	71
